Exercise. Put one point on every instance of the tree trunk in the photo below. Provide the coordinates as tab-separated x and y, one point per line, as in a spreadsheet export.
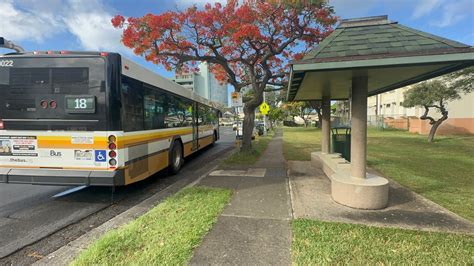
434	123
320	117
247	126
317	105
434	127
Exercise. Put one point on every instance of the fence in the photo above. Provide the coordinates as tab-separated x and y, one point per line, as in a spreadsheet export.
377	121
384	122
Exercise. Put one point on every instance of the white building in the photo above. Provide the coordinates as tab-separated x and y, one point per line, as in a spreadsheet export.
205	84
389	106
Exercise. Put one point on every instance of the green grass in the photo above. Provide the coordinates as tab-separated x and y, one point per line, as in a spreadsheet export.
316	242
165	235
248	158
440	171
299	142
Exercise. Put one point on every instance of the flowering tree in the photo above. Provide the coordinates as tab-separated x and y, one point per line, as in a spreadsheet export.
247	43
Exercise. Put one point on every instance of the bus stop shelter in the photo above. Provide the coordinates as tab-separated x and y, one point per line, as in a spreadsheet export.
361	58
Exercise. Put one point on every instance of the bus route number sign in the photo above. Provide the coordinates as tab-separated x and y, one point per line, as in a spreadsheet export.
80	104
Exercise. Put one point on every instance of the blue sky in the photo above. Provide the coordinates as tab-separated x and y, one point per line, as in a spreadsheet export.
85	25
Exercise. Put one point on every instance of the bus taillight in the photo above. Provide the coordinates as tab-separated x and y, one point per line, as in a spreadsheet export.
53	104
112	138
113	162
112	152
44	104
1	124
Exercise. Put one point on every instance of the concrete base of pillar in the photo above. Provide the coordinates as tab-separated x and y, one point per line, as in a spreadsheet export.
370	193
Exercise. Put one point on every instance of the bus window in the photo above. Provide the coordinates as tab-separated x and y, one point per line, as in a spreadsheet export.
203	114
132	99
154	102
178	114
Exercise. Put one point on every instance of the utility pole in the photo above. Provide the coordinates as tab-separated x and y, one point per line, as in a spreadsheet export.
264	118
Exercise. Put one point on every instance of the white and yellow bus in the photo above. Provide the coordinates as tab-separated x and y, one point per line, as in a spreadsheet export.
80	118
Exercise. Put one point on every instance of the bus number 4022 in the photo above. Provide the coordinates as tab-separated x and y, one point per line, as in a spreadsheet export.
6	63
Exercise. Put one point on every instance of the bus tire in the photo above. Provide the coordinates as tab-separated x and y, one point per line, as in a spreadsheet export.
176	157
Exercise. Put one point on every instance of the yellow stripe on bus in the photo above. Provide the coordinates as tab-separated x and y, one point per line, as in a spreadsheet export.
64	142
132	140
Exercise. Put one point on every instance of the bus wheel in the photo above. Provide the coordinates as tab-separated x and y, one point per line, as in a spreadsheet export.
176	158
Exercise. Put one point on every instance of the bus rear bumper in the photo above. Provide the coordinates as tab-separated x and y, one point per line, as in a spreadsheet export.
62	177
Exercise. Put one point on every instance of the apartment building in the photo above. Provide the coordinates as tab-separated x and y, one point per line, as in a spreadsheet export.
205	84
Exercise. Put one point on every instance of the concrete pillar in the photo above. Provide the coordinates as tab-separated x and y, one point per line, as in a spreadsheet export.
326	125
359	127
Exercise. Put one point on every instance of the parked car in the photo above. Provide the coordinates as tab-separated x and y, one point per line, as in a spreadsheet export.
260	126
236	125
239	133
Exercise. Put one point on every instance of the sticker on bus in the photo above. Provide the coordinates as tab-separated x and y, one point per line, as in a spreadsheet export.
82	140
83	155
18	146
100	156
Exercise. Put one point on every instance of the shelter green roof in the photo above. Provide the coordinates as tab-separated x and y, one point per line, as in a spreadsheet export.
376	42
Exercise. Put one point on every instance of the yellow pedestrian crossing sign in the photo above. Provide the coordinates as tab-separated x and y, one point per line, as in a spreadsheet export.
264	108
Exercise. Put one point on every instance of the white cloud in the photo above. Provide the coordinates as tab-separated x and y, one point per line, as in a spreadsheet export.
447	13
455	11
88	21
21	25
424	7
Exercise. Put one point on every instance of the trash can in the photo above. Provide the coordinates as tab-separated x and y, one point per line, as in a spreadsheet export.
341	141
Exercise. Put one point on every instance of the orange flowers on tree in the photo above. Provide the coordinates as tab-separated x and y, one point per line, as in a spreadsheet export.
246	43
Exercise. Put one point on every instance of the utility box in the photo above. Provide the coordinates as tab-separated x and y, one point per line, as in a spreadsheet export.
341	141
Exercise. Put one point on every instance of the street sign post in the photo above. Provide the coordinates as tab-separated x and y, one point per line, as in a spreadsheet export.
264	108
236	99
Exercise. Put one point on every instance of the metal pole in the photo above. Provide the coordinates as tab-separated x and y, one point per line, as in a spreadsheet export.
264	119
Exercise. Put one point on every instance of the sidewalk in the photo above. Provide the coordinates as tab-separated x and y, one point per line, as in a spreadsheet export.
255	227
311	198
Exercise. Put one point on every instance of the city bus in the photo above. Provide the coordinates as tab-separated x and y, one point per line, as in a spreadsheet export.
95	119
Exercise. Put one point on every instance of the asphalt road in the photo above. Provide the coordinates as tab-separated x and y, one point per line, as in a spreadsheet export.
31	214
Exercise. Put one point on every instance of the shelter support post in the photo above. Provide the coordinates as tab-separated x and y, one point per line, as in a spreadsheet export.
359	127
326	125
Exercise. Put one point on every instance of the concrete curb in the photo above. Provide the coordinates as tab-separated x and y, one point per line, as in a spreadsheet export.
66	254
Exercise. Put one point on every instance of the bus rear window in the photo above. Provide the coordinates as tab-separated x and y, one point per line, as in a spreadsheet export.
57	91
49	80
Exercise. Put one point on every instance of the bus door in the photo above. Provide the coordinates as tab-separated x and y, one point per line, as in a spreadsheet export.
195	126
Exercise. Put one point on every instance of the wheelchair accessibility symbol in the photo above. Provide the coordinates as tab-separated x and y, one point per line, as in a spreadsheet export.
100	156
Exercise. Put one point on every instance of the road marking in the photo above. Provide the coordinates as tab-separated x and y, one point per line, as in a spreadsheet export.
251	172
69	191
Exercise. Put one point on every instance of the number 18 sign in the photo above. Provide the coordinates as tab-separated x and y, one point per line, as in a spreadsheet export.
80	104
